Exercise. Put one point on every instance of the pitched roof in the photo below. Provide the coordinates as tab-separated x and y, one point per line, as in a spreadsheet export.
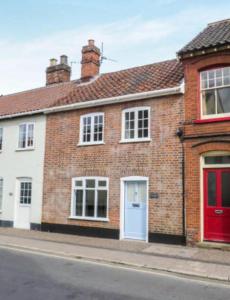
146	78
214	35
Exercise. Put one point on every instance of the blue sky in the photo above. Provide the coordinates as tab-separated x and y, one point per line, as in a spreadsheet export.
134	32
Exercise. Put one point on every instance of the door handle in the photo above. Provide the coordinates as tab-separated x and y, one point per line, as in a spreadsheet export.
219	211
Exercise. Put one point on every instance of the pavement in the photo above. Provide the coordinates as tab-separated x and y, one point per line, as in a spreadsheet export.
185	261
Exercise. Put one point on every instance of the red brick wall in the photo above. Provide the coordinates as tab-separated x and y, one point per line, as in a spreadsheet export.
196	134
159	159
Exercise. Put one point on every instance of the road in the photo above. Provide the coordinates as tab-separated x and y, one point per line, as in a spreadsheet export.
33	276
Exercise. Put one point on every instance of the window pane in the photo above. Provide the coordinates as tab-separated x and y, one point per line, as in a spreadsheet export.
89	203
78	202
130	188
78	183
90	183
209	106
25	192
22	136
212	189
217	160
30	140
102	183
102	204
142	192
223	100
225	189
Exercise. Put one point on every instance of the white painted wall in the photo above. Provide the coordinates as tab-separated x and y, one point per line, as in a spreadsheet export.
26	163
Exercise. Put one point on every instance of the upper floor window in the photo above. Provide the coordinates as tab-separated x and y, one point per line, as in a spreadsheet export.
1	138
26	136
92	128
215	92
135	124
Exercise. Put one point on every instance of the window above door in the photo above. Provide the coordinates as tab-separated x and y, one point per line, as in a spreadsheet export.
136	124
215	93
26	136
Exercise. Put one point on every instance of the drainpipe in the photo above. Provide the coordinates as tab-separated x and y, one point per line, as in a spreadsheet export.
180	134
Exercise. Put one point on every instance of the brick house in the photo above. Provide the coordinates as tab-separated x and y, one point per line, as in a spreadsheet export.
113	160
206	62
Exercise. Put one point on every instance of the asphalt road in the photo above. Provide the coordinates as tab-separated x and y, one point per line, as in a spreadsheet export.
30	276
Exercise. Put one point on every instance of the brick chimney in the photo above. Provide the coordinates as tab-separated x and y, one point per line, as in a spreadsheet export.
90	64
57	73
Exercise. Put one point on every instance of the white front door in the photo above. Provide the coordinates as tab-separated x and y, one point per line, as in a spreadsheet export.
23	203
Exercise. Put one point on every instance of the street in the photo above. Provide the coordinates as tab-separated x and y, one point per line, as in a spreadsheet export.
34	276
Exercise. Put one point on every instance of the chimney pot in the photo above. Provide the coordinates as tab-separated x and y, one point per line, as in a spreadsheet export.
64	59
91	42
53	62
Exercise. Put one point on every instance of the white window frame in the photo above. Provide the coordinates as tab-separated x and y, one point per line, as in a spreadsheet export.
83	179
27	130
1	202
25	180
212	116
81	134
135	139
1	137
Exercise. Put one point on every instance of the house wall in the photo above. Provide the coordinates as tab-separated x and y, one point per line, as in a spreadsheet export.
160	160
24	163
200	138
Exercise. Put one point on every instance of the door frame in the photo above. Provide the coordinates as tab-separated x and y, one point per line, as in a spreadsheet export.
202	167
17	195
122	203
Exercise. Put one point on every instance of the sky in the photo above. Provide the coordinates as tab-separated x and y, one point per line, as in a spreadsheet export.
133	32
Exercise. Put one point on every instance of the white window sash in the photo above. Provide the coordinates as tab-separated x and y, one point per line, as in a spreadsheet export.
84	188
136	138
27	125
92	126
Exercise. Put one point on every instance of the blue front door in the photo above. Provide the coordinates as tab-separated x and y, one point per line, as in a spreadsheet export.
135	210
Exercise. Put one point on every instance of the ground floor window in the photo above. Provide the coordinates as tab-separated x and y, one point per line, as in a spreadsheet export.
90	197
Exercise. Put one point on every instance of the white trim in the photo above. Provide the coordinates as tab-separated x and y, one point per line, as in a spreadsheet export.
135	109
99	102
120	99
1	206
122	203
92	124
83	178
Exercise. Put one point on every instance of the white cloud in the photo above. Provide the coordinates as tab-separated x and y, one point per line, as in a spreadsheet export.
132	42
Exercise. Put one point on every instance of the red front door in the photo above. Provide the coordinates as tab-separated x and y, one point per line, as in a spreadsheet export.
217	205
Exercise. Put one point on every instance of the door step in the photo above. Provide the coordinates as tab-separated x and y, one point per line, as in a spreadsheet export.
214	245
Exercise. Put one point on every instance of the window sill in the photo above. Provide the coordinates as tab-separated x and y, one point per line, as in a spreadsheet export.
135	141
90	144
211	120
24	149
89	219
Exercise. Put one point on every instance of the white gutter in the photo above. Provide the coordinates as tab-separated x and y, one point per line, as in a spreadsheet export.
119	99
100	102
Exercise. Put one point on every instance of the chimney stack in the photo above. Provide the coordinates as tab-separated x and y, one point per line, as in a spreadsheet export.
57	73
90	64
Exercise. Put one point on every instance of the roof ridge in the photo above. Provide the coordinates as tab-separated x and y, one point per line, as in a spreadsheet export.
219	22
38	88
141	66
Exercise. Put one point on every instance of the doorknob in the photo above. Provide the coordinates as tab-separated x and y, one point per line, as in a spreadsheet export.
218	211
